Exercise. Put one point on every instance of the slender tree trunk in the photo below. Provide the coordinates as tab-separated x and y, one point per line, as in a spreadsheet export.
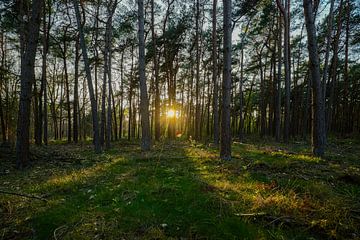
115	131
330	107
76	92
318	109
144	101
89	80
262	95
68	105
285	11
43	91
327	48
37	127
130	95
108	50
27	78
2	80
215	75
44	81
346	117
197	85
103	95
156	75
225	149
278	86
241	97
121	115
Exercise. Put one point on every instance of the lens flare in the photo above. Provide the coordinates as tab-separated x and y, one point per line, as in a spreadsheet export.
170	113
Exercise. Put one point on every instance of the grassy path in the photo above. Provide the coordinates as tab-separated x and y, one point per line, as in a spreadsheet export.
182	191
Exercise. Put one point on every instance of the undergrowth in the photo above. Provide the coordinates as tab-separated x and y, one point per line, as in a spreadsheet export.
182	190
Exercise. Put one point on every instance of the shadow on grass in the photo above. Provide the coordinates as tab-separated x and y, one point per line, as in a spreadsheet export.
135	195
176	191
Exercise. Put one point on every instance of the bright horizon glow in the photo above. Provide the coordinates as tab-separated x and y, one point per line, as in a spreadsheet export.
170	113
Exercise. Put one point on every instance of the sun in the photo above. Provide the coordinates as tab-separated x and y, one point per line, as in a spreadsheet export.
170	113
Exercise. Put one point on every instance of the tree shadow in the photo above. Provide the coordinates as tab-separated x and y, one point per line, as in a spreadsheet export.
173	191
134	194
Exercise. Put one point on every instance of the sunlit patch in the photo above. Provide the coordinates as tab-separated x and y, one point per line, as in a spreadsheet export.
79	176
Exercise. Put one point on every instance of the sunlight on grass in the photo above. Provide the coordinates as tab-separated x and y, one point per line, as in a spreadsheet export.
80	175
180	190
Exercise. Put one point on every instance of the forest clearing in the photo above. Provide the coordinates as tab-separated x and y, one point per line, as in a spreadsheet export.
179	119
182	190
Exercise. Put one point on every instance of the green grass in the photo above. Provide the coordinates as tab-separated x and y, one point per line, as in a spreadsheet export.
182	190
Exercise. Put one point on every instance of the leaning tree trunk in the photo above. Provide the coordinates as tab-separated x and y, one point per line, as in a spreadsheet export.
27	79
144	101
318	109
225	148
89	80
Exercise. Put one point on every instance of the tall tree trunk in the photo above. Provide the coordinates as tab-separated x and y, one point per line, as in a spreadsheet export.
156	75
37	127
144	101
347	113
330	107
103	95
318	109
68	105
225	149
215	75
108	50
2	117
43	91
197	85
121	115
89	80
27	78
262	94
285	11
241	97
76	92
327	48
115	131
278	86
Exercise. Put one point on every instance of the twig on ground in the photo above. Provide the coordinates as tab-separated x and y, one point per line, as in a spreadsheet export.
23	195
61	227
250	214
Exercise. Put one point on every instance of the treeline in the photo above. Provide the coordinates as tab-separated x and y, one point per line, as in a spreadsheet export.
209	71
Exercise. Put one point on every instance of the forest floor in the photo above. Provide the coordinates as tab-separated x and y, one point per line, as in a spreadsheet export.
182	190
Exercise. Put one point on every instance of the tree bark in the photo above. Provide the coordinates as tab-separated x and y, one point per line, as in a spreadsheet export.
76	93
89	80
156	75
27	78
197	85
318	109
225	149
278	86
144	101
285	11
215	75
